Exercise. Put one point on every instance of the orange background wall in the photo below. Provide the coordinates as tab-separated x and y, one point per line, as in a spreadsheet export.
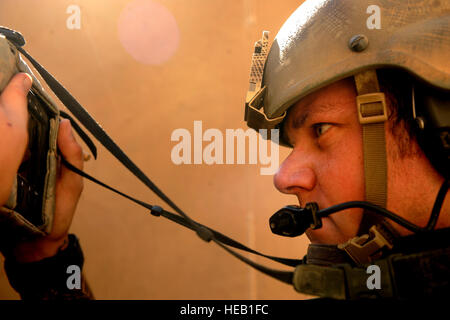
130	254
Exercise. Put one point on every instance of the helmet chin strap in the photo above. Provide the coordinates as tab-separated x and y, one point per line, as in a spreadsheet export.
372	113
374	231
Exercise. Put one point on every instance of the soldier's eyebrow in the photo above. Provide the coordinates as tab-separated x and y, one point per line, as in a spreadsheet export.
310	110
300	120
313	110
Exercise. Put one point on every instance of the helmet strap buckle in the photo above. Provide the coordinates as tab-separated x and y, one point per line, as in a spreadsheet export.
368	247
371	108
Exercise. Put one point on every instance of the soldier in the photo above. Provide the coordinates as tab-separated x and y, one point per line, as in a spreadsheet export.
360	91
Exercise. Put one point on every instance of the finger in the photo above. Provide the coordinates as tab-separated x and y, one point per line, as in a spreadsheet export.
69	185
68	146
73	153
13	100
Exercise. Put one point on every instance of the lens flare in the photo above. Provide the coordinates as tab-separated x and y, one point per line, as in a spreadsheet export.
148	32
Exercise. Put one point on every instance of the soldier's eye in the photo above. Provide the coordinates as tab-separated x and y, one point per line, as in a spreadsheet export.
321	128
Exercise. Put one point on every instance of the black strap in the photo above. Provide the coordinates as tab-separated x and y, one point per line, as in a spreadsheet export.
437	206
97	131
157	211
372	207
